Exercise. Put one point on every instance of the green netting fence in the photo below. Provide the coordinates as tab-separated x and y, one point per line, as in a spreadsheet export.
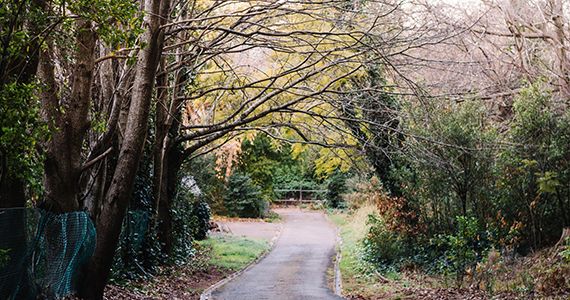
41	254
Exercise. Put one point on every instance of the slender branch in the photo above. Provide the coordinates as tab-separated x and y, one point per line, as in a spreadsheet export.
96	159
110	57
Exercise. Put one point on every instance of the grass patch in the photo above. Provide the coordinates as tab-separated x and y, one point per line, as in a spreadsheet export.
234	252
357	279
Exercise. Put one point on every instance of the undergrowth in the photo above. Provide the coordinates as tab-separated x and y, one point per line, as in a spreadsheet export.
543	274
358	276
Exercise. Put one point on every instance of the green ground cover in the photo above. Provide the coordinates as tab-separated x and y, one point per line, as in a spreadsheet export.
234	252
358	278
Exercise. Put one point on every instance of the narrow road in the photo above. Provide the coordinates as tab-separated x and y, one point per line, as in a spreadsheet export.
296	268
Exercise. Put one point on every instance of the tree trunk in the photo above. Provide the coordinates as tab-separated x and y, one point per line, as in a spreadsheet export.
95	178
64	150
171	167
93	189
117	196
167	157
161	207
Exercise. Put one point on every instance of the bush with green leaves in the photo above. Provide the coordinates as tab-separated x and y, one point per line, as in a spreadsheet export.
453	160
382	246
534	172
138	251
260	159
447	186
20	131
336	186
201	213
190	218
212	186
243	197
4	257
270	165
463	248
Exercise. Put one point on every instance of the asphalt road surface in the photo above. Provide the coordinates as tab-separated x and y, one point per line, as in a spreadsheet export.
300	265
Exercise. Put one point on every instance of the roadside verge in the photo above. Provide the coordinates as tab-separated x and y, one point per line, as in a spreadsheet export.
337	275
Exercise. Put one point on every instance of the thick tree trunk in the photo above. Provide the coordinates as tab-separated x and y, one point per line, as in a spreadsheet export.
93	189
162	210
160	165
167	157
63	151
94	178
117	196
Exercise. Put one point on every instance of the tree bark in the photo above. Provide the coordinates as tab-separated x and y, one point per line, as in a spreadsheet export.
564	237
171	167
161	205
117	196
64	150
167	156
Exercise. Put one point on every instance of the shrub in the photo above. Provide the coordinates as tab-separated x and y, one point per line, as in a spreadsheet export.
4	257
138	251
381	245
201	215
336	186
463	248
242	197
190	218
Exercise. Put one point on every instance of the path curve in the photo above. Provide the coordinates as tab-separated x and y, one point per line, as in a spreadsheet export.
299	266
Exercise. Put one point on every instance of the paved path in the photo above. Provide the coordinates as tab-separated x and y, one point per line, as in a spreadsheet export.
297	266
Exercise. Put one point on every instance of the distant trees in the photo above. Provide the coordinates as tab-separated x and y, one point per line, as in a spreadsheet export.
505	61
243	178
452	150
495	47
372	114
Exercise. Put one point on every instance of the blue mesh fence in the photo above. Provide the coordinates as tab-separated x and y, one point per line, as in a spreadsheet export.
41	253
